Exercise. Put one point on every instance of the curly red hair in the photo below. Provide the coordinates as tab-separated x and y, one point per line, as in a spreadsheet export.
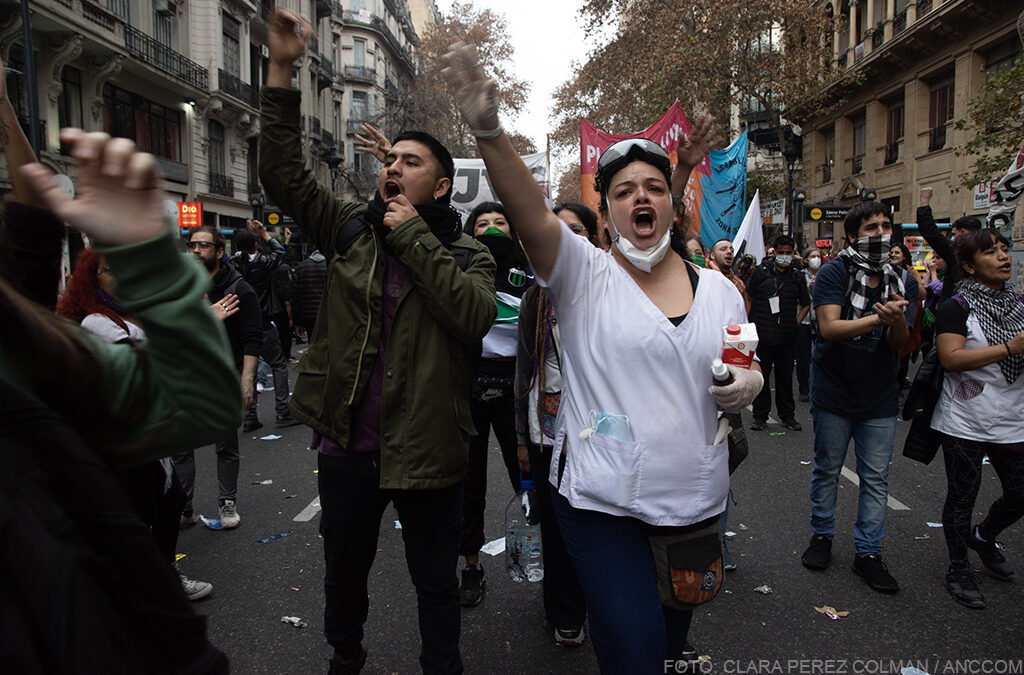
81	298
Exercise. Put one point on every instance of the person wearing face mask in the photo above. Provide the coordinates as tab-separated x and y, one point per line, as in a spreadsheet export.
805	334
778	303
859	301
493	399
635	467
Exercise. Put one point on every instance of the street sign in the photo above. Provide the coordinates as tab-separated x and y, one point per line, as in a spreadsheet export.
816	213
190	214
273	219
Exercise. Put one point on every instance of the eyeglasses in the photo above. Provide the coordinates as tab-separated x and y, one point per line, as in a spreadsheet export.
205	245
576	228
621	149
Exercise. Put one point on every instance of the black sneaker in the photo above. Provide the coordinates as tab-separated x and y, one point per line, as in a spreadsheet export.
964	589
818	553
286	420
569	637
991	556
875	573
792	424
473	585
759	425
340	666
252	425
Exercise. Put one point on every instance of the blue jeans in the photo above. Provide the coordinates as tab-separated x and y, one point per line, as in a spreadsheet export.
632	633
873	443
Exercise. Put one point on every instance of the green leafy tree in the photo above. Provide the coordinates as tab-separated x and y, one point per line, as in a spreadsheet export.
997	117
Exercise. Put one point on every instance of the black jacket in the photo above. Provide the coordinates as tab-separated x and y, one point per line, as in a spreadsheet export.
308	289
245	327
259	273
765	282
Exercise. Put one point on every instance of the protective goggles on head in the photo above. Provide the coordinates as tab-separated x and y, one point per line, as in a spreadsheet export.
621	153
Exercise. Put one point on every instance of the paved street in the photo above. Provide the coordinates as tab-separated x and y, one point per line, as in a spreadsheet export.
742	631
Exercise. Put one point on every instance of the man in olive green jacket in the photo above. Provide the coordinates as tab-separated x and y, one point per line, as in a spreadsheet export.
385	381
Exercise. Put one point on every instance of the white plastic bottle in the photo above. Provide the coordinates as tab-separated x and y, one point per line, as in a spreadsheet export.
523	548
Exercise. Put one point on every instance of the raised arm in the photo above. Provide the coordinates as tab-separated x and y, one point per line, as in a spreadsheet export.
693	147
536	225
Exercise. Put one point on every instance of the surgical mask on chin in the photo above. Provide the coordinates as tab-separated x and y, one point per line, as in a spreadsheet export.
642	259
783	260
814	263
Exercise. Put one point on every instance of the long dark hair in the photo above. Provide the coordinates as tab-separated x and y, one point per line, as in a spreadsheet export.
973	242
906	254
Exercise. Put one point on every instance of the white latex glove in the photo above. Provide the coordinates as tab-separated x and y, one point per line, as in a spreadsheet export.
475	93
744	389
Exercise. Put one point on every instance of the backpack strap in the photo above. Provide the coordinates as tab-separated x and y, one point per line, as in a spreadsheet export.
349	232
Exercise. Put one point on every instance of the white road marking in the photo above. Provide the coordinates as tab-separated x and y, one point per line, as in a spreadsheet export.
309	512
894	504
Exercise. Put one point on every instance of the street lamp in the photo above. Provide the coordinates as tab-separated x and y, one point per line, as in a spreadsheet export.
799	196
791	153
333	162
257	202
868	194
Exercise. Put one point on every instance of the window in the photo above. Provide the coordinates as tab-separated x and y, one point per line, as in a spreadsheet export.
253	165
216	148
1002	56
893	129
940	111
70	101
154	128
358	111
829	141
163	29
359	53
231	42
337	119
336	52
859	141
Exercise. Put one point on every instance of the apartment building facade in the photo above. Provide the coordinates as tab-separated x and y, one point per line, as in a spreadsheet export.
920	63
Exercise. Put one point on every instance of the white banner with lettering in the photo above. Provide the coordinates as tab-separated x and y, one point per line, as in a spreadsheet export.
472	186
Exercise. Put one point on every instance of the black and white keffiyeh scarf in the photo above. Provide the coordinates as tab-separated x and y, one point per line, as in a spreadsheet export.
1001	315
866	257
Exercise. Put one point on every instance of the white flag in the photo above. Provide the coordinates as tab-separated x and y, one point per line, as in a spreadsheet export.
1007	196
750	238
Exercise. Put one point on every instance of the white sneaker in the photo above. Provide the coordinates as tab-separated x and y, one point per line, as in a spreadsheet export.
194	590
229	517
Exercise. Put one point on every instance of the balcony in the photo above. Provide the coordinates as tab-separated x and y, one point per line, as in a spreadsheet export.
235	88
325	74
842	60
100	16
314	126
313	46
148	50
176	172
857	164
892	153
877	38
323	8
923	7
899	22
826	172
222	185
361	74
936	138
327	139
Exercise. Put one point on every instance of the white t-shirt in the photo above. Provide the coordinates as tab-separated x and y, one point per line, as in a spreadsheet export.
622	356
107	330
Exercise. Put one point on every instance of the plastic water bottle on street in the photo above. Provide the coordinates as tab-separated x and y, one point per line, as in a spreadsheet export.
523	550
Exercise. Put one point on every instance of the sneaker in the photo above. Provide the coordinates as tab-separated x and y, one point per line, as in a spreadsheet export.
229	517
991	556
792	424
569	637
961	585
759	425
728	562
286	420
875	573
818	553
252	425
340	666
194	590
187	520
473	585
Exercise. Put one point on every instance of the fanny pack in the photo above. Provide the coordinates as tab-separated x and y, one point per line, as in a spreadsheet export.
689	565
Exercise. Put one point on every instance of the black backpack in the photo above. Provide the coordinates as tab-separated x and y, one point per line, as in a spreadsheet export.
85	588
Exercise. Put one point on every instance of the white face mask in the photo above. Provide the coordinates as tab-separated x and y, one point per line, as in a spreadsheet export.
783	260
814	263
642	259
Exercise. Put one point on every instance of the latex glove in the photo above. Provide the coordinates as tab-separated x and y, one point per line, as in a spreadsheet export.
475	93
744	389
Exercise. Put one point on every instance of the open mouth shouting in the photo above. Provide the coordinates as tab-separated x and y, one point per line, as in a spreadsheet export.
392	189
644	220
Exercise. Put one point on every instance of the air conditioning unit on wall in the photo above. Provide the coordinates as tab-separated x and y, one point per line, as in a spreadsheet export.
165	7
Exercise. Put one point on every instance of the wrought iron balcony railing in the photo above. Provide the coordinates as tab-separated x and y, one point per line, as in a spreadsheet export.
148	50
937	138
234	87
222	185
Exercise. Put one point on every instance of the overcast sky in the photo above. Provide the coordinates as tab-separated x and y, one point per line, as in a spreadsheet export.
547	37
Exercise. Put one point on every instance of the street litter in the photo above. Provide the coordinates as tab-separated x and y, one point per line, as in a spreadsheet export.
922	537
290	496
744	527
262	482
496	547
295	621
398	524
934	524
270	437
295	588
273	537
729	534
831	612
764	589
805	462
212	523
984	460
778	433
179	556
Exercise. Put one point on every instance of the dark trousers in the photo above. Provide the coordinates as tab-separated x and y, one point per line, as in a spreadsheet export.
498	414
632	632
275	358
353	504
284	333
564	604
778	358
963	459
803	359
227	471
158	509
